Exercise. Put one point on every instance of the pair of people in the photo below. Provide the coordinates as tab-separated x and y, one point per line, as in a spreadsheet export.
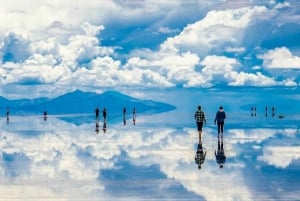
201	119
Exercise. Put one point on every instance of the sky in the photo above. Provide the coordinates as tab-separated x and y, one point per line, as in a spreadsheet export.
48	48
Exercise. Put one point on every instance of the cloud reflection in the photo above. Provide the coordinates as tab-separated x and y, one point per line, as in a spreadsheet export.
56	159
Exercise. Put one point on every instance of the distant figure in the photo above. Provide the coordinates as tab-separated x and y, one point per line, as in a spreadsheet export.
200	156
253	111
281	116
7	115
219	120
45	115
200	120
134	115
104	114
266	111
273	111
124	116
97	126
220	154
97	112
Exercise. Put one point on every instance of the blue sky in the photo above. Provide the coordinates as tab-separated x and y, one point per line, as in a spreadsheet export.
51	47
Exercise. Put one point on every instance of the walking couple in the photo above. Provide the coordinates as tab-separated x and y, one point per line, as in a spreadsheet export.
201	119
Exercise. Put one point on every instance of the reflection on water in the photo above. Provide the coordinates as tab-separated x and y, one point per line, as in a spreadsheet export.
154	159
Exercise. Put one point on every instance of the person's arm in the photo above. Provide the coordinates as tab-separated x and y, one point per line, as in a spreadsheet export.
216	118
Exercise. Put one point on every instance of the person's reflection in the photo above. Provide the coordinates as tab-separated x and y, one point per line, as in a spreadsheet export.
220	154
97	126
200	155
104	127
45	115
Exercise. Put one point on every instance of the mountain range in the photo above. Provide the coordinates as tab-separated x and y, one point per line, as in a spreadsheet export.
79	102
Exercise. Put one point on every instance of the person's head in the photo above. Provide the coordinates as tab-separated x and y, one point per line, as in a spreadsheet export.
199	166
221	108
221	165
199	107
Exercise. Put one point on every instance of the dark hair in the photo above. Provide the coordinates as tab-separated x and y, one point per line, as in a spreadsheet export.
221	107
199	107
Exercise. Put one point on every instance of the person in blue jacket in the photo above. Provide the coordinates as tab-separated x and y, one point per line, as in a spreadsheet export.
219	120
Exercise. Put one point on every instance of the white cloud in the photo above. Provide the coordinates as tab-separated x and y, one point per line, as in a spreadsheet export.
216	31
249	79
280	58
280	156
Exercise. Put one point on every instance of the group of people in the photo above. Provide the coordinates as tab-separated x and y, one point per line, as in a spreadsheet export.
200	119
104	114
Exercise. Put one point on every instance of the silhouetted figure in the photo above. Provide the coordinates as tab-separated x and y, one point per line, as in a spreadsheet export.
97	126
97	112
273	111
134	115
219	120
220	154
252	111
266	111
200	120
124	116
255	111
7	115
281	116
45	115
104	114
200	155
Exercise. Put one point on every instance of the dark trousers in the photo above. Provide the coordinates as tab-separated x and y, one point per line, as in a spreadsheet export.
220	127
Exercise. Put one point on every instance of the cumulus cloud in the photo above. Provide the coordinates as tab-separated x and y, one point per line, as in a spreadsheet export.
280	58
280	156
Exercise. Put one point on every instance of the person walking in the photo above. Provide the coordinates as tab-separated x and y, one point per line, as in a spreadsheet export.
200	120
219	120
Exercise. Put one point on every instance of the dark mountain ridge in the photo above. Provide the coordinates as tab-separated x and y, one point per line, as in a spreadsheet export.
79	102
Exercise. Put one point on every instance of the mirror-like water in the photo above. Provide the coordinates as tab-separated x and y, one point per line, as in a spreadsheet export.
151	160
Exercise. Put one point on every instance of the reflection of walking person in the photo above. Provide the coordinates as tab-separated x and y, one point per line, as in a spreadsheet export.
200	156
219	120
220	154
200	119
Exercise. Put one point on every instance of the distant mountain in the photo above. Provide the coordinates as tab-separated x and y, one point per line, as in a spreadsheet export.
79	102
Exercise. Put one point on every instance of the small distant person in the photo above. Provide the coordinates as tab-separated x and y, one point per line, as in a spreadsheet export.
200	156
124	116
7	115
200	120
45	115
273	111
219	120
97	112
133	115
220	154
104	113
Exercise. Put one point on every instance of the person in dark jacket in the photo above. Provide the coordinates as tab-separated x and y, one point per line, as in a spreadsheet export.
219	120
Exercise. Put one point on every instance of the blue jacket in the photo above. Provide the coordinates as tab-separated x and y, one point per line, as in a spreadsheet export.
220	116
